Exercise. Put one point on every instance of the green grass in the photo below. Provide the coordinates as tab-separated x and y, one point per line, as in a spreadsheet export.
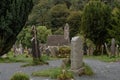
52	72
34	64
104	58
57	72
88	70
19	58
20	76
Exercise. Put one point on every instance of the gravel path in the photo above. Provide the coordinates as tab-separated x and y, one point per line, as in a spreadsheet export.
8	69
102	70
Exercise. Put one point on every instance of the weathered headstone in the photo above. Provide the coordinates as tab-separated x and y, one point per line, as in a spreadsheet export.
66	31
107	50
76	54
102	49
21	50
47	51
117	50
15	50
90	50
53	51
112	47
85	48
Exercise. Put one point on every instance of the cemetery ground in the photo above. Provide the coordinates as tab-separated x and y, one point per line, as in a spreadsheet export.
109	70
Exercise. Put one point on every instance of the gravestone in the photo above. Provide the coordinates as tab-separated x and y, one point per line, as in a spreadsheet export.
35	44
112	47
117	50
90	50
53	51
15	50
102	49
21	50
107	50
76	55
66	31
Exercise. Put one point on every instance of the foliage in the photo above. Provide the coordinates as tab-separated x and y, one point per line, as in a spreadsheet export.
40	13
95	22
59	31
43	32
25	36
64	52
74	20
58	15
13	15
78	4
20	76
67	2
115	30
65	75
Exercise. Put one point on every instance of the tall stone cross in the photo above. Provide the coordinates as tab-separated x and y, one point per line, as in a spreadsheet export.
35	43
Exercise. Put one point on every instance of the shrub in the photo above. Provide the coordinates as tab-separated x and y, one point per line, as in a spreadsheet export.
64	52
65	75
20	76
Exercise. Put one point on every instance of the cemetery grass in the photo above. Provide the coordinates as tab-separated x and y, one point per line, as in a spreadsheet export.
53	73
21	58
57	72
104	58
42	61
12	59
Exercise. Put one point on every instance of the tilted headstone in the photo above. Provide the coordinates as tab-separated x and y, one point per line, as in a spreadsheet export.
113	47
107	50
53	51
76	54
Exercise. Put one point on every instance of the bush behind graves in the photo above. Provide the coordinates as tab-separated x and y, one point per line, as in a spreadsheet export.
64	52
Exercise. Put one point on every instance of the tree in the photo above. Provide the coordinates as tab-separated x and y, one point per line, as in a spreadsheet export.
74	20
39	14
67	2
13	15
43	33
96	20
58	15
78	4
115	30
25	35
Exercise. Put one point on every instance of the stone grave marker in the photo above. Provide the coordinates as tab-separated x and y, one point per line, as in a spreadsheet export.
112	49
117	50
76	55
